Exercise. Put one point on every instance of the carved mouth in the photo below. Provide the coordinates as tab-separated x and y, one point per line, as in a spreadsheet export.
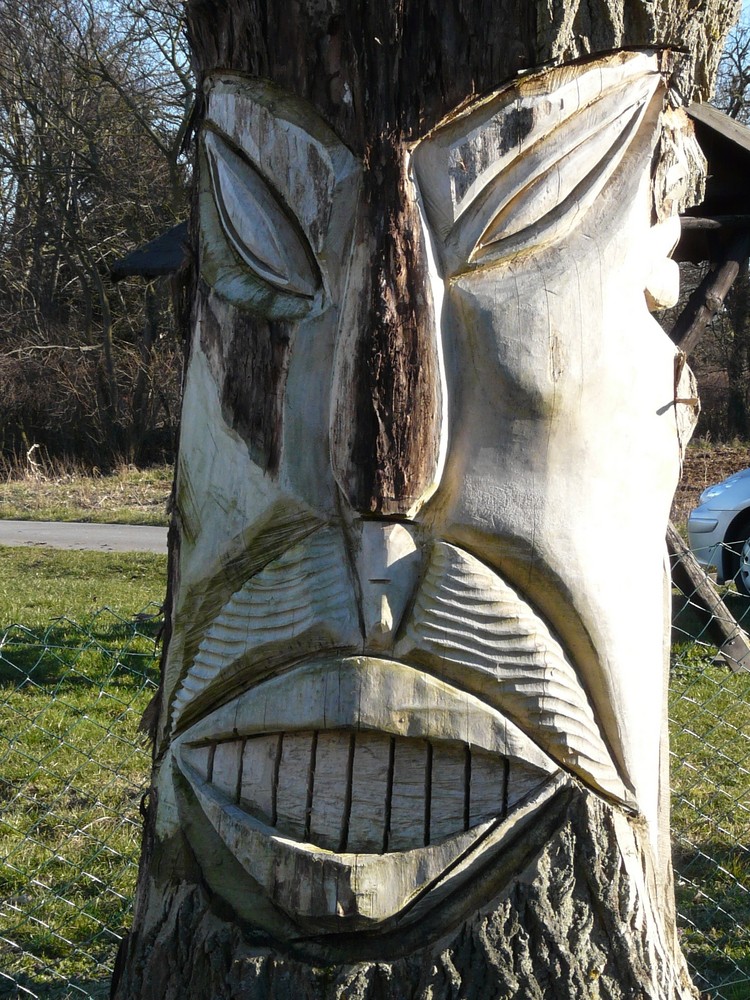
351	792
332	774
463	623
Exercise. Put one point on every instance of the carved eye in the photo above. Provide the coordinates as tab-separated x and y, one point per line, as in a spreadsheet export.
255	223
559	189
545	191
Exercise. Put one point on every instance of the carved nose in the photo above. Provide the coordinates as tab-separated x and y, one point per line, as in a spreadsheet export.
387	558
388	402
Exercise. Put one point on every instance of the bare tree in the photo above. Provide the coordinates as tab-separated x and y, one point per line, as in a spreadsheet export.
92	116
733	79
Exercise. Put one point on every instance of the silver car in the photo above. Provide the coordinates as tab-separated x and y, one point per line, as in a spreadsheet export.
719	530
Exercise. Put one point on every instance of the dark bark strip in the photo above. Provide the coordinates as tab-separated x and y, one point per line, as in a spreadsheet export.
370	67
253	357
393	410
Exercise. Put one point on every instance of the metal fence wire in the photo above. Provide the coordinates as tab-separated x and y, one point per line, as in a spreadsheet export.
73	769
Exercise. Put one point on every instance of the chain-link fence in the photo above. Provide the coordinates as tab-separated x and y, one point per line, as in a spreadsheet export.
73	768
710	747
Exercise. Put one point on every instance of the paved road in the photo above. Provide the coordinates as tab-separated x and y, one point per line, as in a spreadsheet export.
76	535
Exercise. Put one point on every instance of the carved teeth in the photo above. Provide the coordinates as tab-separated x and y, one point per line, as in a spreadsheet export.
325	782
361	792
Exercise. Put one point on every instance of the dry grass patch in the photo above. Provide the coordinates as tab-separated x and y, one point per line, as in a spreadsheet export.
126	496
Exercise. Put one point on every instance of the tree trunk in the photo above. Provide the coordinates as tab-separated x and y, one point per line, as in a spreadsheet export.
406	744
575	922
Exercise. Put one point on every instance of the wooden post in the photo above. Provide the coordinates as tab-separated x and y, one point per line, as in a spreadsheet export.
409	743
720	624
708	297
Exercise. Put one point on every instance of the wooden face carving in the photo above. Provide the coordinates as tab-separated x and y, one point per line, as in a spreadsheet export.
428	449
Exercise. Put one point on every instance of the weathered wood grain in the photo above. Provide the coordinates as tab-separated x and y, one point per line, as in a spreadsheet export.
367	69
226	772
321	889
449	790
489	789
296	605
359	792
388	363
260	762
294	773
369	795
369	694
331	806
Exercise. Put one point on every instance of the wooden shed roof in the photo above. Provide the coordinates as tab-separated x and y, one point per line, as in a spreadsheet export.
725	210
720	125
159	257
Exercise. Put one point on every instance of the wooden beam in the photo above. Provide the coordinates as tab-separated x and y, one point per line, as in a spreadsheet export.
721	625
714	222
709	296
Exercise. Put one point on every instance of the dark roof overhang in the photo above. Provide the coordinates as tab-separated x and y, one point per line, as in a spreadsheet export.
161	256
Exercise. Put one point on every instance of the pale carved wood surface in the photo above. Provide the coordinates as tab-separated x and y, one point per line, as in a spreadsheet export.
375	587
356	790
496	636
301	600
359	792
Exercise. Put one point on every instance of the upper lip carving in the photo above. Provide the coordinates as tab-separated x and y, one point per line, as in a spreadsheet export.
365	693
464	625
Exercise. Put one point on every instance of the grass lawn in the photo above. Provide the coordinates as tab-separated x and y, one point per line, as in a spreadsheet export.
710	744
72	763
38	584
128	496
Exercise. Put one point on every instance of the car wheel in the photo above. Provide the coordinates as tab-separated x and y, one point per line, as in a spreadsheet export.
738	562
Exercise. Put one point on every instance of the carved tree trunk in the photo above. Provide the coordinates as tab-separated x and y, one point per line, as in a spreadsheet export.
407	744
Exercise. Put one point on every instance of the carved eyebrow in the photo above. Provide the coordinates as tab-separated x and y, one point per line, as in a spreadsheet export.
543	195
534	156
